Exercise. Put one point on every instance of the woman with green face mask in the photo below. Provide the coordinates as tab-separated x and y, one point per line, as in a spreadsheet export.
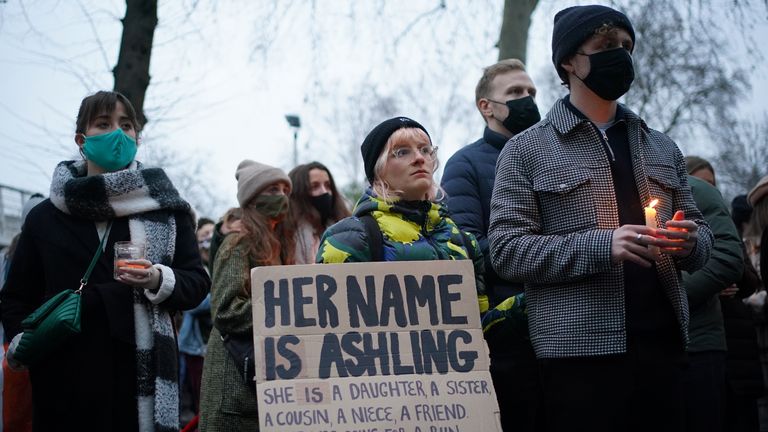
120	373
227	401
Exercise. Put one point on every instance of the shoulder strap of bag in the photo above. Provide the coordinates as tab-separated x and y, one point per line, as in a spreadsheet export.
96	256
375	237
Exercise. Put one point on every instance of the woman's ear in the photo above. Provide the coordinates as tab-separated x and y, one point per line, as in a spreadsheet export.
79	139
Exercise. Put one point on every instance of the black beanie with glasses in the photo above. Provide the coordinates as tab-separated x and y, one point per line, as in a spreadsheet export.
377	138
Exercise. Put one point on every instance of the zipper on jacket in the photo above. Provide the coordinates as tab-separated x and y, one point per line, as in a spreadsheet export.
605	143
427	208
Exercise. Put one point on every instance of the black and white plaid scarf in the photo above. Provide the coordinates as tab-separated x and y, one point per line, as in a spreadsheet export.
148	198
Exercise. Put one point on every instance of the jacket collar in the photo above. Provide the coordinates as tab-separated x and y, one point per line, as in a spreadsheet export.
565	117
494	138
422	213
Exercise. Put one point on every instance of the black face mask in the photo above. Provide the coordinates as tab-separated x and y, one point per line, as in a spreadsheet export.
324	205
523	113
611	73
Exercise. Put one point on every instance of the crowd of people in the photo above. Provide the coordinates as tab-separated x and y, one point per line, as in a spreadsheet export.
617	290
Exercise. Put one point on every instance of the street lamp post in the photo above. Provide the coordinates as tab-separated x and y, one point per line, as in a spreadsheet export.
295	123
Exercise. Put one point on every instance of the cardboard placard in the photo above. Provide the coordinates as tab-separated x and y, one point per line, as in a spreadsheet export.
371	347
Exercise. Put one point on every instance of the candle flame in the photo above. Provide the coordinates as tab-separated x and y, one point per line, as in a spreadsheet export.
653	203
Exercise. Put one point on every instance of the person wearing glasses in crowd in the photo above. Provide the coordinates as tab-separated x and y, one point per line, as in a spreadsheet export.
399	217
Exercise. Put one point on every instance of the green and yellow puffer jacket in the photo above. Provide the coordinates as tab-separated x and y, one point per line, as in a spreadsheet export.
411	230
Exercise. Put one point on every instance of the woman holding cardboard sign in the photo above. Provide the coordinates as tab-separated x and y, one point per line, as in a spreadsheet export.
228	402
399	217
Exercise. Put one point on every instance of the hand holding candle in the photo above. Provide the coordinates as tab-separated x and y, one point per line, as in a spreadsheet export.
678	216
679	237
630	243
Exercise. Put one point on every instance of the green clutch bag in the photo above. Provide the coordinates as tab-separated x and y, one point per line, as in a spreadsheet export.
52	324
48	327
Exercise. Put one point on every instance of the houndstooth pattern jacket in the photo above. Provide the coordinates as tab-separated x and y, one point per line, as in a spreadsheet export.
553	213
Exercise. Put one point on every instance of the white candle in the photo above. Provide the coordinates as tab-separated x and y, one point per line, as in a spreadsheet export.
650	215
650	221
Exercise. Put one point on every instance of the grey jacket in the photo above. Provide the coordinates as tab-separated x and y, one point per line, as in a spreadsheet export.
553	213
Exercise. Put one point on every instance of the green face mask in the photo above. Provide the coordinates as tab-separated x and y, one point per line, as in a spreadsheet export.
111	151
271	206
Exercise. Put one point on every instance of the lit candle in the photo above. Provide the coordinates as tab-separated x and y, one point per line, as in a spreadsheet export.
650	221
650	215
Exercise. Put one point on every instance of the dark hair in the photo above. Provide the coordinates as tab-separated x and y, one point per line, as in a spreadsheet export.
301	206
741	212
103	102
204	221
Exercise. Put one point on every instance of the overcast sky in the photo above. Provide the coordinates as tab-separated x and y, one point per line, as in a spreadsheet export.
217	97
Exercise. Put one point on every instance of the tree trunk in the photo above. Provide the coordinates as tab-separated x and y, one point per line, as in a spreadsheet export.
132	69
513	39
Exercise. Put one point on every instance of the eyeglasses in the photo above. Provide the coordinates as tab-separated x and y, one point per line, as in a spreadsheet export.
428	152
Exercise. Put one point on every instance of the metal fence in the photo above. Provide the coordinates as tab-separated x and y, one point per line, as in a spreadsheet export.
11	202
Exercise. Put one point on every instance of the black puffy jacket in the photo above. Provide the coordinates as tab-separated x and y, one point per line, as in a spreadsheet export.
468	181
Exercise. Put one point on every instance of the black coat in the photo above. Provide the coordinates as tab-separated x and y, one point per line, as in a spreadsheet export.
743	367
90	383
764	256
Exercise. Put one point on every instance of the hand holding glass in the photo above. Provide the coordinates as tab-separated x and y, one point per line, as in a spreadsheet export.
126	255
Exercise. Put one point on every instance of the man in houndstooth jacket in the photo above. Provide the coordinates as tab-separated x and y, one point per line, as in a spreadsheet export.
608	314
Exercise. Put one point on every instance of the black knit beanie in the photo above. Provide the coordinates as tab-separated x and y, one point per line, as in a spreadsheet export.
741	211
576	24
376	140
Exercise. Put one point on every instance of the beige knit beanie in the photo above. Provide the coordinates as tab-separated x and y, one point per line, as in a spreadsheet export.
252	177
758	192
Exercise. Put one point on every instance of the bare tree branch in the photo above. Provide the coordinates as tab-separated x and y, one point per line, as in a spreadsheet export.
96	37
68	65
681	83
33	29
268	29
423	16
742	155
